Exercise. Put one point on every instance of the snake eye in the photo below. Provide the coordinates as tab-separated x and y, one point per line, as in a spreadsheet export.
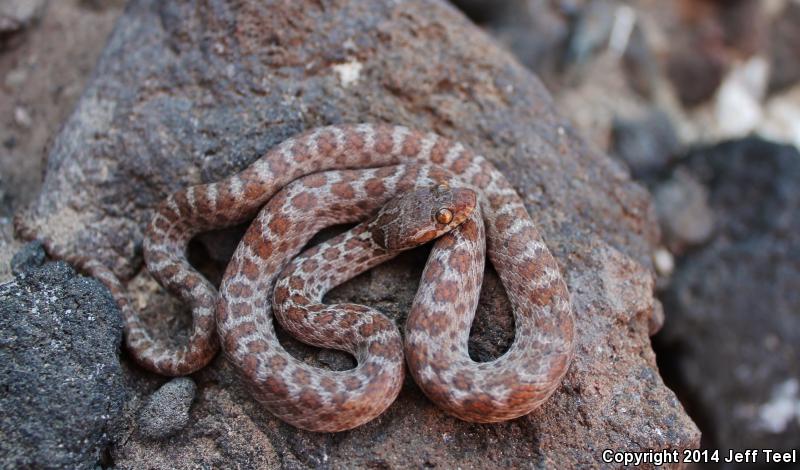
444	216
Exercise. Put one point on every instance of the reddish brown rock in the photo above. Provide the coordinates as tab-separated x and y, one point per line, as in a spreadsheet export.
784	49
186	94
710	37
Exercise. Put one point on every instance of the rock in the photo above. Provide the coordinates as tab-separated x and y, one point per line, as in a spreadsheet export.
732	330
641	64
167	411
186	93
22	117
41	78
784	52
591	32
695	72
751	185
697	56
16	15
8	245
713	35
16	78
59	371
646	144
664	262
738	104
102	5
3	198
535	31
683	211
744	25
488	11
228	431
8	248
656	319
782	118
29	257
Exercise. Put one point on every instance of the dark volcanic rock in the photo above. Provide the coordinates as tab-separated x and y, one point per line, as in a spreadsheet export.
753	187
732	311
29	257
487	11
188	93
60	375
647	144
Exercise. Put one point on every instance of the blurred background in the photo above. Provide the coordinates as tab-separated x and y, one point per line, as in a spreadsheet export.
698	99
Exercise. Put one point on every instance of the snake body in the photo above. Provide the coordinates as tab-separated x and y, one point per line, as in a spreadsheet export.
513	385
302	395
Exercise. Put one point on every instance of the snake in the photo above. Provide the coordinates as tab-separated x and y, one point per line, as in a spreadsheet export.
511	386
435	347
307	397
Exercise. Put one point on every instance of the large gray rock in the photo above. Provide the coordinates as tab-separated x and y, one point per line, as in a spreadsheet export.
189	93
59	368
733	329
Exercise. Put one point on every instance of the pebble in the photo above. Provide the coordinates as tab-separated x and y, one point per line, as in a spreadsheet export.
167	410
22	117
683	211
664	261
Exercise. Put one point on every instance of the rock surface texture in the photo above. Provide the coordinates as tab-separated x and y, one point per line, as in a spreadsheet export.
59	366
43	69
167	410
186	94
733	324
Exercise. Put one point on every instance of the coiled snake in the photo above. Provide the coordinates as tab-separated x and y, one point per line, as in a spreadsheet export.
438	325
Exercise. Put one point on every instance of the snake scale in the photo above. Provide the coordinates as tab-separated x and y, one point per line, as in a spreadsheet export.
294	200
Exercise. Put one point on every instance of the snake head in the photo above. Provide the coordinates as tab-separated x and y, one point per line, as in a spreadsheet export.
417	217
